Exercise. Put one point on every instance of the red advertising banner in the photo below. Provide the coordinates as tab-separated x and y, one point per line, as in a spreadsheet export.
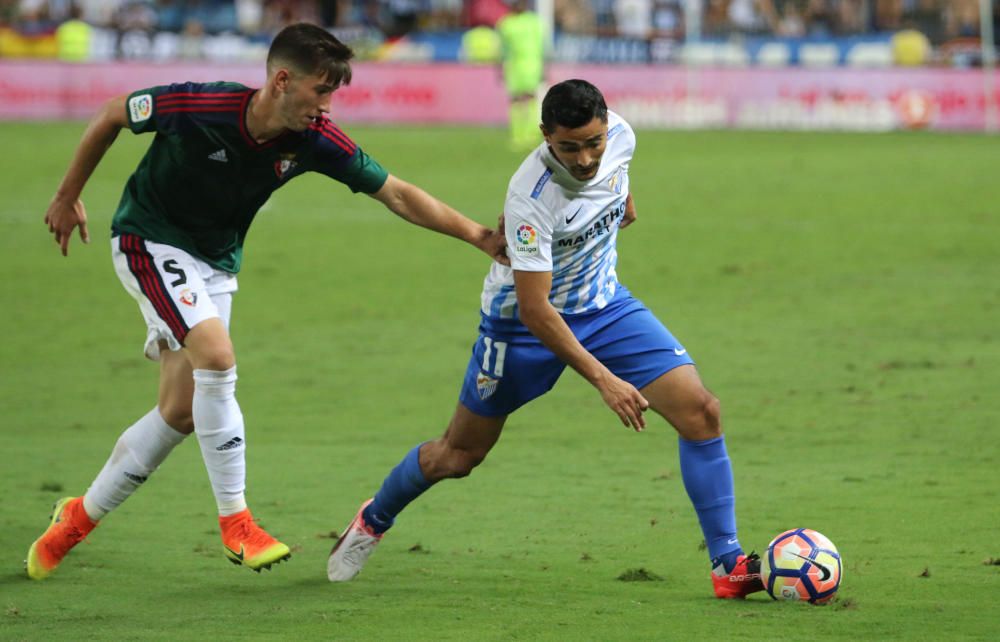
648	96
37	90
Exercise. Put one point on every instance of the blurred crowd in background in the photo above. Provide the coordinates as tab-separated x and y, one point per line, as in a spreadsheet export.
241	29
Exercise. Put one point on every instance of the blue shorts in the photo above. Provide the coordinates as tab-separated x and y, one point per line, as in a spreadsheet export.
509	366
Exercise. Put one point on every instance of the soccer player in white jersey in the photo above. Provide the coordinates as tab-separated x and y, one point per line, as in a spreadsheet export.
560	303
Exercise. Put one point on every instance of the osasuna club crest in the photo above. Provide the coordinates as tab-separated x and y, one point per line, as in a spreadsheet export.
284	165
486	385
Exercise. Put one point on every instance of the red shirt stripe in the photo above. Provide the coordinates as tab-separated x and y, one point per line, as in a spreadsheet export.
339	133
333	133
189	101
183	94
339	144
171	110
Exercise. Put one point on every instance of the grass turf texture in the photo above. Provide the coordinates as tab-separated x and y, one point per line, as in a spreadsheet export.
840	293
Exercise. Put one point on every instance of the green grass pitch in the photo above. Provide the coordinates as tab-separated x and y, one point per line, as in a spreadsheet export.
841	294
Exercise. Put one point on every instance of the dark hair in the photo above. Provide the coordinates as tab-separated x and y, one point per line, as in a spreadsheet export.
308	49
571	104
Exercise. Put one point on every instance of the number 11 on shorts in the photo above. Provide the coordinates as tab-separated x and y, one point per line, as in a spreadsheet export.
501	347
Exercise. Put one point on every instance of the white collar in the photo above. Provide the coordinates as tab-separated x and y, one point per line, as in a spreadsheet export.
561	175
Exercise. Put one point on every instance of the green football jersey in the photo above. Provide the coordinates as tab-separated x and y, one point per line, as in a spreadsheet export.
203	178
523	37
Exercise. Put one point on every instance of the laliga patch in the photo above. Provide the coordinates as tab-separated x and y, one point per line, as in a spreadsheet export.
486	385
188	298
140	107
527	240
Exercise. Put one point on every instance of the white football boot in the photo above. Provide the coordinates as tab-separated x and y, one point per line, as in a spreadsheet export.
353	549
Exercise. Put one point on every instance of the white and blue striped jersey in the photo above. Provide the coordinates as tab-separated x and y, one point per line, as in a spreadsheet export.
557	223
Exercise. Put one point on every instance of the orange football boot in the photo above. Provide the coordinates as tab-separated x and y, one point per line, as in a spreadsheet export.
70	526
248	544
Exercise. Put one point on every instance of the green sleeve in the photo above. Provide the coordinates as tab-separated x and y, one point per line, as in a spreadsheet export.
363	174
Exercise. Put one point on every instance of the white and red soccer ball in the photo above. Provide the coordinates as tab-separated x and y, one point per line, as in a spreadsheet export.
801	564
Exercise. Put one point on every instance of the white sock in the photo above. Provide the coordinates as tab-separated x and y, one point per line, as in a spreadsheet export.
139	451
218	423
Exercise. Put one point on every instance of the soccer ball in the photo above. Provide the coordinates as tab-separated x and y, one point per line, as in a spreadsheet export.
801	564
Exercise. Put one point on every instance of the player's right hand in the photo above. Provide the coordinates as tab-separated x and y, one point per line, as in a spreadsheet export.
626	402
62	217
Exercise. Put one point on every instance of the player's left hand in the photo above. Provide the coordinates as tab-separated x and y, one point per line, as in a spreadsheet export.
625	401
629	216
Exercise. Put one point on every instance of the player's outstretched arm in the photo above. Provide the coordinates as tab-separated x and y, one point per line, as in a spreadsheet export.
539	316
420	208
66	210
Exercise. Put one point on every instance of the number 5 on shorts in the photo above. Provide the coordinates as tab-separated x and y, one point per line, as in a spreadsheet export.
171	266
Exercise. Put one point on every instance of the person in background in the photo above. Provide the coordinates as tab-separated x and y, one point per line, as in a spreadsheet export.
523	38
574	16
961	19
634	18
481	46
73	37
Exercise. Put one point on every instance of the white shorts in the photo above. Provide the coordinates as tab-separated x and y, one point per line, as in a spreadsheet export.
175	290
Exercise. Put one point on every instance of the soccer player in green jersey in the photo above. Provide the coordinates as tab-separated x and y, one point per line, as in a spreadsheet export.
523	38
219	151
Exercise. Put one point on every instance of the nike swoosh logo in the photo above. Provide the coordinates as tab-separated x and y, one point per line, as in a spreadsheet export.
825	572
732	541
679	353
239	555
569	219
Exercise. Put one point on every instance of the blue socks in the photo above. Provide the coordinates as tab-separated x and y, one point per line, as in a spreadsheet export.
405	483
705	468
708	479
